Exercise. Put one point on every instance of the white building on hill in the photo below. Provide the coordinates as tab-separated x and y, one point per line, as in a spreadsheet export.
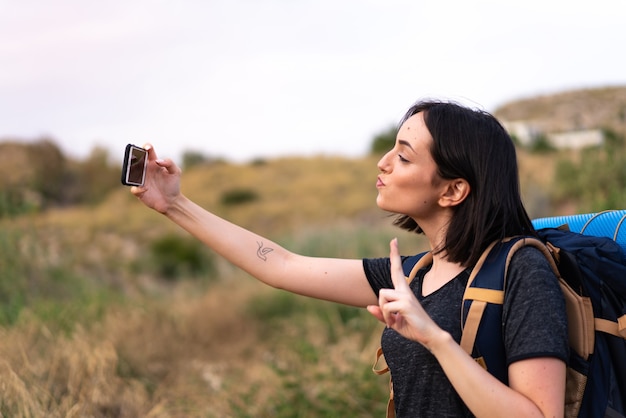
527	133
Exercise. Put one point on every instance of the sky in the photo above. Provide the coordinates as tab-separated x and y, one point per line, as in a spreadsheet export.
245	79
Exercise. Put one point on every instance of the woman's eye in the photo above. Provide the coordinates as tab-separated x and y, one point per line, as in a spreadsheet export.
404	160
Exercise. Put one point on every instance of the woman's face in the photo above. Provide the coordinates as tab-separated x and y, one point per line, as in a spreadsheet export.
408	183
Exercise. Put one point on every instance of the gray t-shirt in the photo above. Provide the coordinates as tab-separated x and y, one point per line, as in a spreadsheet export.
534	325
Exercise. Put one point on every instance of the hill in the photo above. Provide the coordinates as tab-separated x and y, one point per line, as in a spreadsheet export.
108	309
93	326
598	108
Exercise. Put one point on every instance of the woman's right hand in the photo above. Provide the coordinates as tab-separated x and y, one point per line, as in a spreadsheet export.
162	184
399	309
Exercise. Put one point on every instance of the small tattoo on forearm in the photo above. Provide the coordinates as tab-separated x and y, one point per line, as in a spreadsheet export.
262	251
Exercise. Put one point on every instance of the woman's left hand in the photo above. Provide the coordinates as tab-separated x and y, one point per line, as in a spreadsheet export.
399	309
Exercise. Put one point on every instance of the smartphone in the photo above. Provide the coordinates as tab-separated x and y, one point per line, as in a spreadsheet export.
134	167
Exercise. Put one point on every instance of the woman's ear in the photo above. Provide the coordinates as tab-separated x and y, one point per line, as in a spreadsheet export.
455	192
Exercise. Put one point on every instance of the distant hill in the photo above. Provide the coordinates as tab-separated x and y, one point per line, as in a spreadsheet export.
574	110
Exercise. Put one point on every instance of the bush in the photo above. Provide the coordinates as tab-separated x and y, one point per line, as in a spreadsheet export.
18	202
55	294
238	197
174	256
598	180
541	145
384	141
194	159
37	175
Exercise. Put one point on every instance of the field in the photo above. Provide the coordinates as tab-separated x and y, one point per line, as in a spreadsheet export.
112	311
97	324
109	310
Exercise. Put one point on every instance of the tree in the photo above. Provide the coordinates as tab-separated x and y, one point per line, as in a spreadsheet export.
384	141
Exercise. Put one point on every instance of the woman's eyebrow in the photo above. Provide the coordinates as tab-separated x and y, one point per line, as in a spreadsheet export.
406	144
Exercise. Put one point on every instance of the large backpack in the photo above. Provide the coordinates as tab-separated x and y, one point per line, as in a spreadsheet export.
588	255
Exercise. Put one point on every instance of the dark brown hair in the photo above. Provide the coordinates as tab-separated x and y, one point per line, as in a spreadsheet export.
472	145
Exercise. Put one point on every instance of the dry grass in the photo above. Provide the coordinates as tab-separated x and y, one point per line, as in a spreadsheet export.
187	350
188	357
53	376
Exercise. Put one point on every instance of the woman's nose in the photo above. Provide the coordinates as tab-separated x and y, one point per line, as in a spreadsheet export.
383	163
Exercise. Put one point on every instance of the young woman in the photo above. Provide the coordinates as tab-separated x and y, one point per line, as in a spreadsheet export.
452	175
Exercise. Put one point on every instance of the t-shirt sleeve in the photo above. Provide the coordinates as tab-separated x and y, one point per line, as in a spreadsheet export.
378	273
534	316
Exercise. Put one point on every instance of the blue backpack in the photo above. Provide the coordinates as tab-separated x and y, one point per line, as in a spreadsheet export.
588	255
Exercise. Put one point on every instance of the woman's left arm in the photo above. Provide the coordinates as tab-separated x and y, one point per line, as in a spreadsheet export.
536	386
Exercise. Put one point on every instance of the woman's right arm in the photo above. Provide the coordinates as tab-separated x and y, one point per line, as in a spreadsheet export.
336	280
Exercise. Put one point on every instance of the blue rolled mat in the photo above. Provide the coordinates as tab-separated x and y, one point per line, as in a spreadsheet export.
610	223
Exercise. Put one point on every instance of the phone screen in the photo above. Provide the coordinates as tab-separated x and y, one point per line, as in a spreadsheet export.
134	169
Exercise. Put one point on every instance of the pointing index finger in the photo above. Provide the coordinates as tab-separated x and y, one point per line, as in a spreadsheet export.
397	274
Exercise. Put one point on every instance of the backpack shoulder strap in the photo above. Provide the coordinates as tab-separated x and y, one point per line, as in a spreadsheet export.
411	265
483	300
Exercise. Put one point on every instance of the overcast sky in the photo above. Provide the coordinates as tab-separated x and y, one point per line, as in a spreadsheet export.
262	78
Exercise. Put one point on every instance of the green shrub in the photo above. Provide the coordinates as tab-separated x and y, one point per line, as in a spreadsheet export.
384	141
18	202
13	278
597	181
238	197
193	159
174	256
55	294
541	145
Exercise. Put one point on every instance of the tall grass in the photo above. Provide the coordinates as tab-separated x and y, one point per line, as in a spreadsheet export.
37	275
102	313
229	347
239	350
